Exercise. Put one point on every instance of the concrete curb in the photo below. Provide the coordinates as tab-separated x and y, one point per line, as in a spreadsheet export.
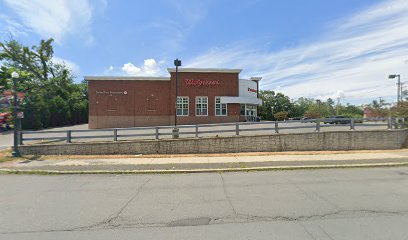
178	171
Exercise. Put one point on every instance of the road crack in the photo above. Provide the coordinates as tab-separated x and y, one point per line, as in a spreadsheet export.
226	195
113	217
239	218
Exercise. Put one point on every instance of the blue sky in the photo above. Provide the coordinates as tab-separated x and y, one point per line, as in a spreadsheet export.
316	48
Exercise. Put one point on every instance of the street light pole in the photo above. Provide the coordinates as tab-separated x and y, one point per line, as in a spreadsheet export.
177	63
16	152
399	87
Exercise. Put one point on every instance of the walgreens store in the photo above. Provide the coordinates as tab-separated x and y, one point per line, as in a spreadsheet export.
205	95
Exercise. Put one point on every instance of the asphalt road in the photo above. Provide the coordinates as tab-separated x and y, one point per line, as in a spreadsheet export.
347	204
6	139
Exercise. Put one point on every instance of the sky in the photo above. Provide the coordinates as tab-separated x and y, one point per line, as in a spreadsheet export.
317	48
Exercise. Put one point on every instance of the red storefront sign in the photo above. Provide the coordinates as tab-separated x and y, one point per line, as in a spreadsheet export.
251	90
199	83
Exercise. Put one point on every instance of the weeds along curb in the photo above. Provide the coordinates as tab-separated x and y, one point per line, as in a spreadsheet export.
219	170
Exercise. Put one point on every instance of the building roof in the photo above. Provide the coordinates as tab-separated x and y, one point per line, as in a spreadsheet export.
206	70
127	78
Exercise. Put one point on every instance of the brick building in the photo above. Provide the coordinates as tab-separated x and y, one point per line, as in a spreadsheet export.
204	96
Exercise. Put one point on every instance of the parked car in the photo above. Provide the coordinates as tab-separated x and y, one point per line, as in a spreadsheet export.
337	120
295	118
306	119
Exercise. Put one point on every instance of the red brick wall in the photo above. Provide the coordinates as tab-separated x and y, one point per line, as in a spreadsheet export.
142	98
156	100
228	86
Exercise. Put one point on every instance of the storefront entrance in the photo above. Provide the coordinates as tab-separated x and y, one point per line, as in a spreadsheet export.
250	112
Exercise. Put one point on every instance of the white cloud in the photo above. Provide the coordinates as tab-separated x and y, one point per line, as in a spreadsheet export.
75	69
149	68
356	57
11	27
131	69
57	19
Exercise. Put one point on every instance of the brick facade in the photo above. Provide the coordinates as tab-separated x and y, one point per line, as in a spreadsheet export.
131	102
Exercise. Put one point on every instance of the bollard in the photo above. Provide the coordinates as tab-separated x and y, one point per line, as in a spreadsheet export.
196	131
352	127
115	135
402	125
317	125
237	129
276	127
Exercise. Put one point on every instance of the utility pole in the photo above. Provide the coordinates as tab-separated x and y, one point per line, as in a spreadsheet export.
401	93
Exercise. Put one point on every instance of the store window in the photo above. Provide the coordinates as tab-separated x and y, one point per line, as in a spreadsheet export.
220	108
182	106
201	106
242	110
248	110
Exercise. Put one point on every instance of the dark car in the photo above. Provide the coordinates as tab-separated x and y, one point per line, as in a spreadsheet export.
337	120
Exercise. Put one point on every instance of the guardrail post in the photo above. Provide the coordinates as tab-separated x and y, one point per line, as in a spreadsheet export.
115	135
196	130
237	129
69	136
317	125
389	123
352	127
20	138
276	127
157	133
396	123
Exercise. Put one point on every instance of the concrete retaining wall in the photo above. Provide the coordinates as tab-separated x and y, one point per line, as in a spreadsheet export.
341	140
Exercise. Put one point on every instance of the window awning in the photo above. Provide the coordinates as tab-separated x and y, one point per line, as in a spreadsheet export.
241	100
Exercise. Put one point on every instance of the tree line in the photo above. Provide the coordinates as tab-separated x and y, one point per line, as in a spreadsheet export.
278	106
52	98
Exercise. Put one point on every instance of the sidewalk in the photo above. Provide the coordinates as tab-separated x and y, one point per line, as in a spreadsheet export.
206	163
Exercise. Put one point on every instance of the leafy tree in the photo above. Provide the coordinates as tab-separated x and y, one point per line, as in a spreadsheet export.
273	103
52	98
280	116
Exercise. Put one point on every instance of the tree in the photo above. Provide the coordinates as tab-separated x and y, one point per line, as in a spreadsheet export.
52	98
273	103
280	116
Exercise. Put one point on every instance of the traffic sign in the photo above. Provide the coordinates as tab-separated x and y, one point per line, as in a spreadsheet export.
20	115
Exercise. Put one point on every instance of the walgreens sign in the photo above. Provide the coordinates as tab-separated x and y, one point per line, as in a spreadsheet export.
199	83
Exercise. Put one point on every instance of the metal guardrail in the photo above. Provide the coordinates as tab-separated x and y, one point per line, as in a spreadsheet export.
115	134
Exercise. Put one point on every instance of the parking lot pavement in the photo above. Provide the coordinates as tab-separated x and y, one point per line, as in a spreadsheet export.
245	129
6	139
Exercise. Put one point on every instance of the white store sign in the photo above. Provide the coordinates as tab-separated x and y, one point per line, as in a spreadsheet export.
247	88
